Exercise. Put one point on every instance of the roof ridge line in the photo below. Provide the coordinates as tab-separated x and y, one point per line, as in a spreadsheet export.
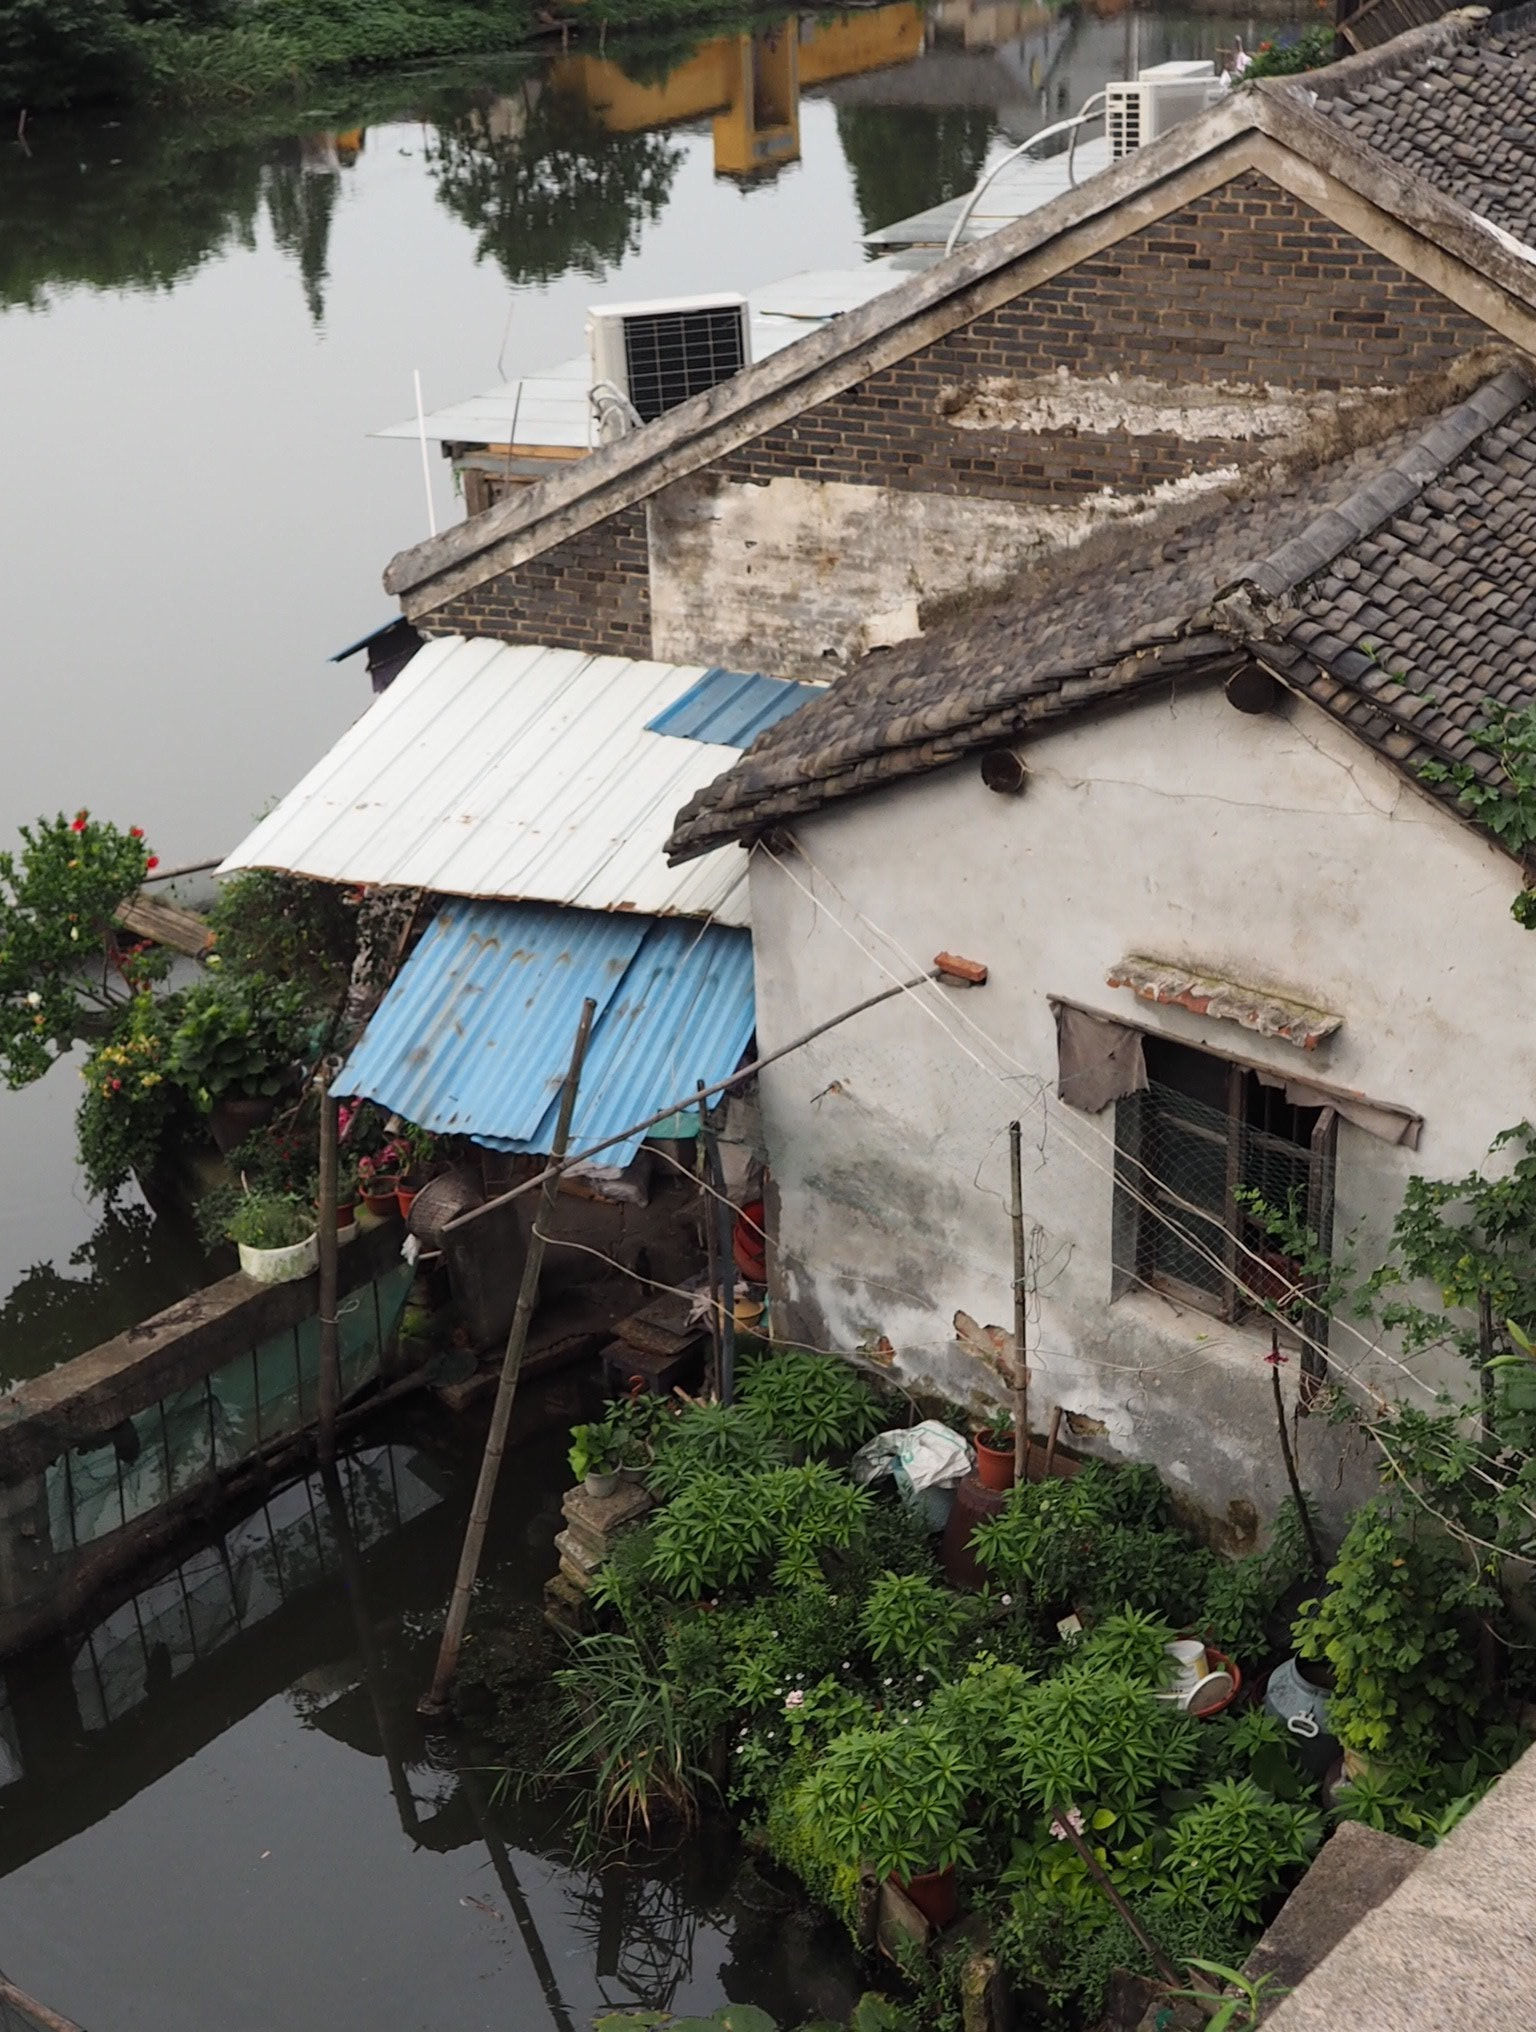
1362	65
1449	437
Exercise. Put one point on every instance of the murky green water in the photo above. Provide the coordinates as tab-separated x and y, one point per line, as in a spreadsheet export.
218	1809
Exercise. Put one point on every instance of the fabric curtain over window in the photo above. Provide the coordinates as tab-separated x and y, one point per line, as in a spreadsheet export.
1097	1061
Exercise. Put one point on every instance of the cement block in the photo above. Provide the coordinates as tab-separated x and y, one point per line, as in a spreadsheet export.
1355	1871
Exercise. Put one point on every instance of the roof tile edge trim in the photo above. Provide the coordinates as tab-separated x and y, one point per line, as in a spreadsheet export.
1257	1009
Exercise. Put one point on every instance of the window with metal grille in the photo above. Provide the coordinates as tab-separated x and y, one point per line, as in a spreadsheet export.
1201	1136
671	355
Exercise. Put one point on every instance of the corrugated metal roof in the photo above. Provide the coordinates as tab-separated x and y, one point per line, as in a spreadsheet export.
497	770
732	708
475	1036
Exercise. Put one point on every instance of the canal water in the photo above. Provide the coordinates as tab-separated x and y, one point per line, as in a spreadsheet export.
219	1810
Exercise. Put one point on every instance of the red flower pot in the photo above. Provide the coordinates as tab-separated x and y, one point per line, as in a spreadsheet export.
934	1895
994	1464
382	1201
405	1199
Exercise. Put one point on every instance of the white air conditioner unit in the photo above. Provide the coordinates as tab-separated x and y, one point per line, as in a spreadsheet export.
1161	97
649	357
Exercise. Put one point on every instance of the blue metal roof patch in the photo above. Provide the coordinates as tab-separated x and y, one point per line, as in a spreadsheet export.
730	708
475	1035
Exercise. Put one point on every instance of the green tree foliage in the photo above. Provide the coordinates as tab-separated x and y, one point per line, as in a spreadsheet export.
61	960
906	158
59	52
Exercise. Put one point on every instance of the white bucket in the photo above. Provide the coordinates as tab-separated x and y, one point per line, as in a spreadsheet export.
280	1266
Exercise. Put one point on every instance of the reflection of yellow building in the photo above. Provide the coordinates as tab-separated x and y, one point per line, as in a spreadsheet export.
749	84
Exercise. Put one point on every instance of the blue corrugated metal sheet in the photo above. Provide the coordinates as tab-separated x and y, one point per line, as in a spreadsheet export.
475	1035
731	708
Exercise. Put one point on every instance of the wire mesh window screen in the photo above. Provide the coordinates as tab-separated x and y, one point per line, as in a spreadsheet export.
1199	1139
675	354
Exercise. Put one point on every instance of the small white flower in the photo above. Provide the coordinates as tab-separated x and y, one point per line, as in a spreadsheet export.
887	1682
74	932
847	1665
795	1699
1007	1601
34	1000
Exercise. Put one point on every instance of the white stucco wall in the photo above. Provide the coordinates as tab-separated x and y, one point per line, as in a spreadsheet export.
1276	851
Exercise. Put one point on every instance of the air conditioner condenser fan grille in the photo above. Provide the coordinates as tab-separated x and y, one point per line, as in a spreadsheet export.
675	354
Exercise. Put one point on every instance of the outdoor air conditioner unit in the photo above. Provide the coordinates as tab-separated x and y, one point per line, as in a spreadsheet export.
649	357
1161	97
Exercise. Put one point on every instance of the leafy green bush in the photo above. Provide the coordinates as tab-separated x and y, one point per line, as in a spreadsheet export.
239	1038
1396	1626
1092	1740
286	928
271	1220
706	1438
817	1403
910	1621
60	968
130	1111
643	1739
895	1798
1232	1853
1130	1645
1308	51
720	1529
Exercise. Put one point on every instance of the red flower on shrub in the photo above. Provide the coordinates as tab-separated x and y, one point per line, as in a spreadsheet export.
152	862
135	832
78	822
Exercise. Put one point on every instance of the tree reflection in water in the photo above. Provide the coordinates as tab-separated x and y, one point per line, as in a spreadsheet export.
544	186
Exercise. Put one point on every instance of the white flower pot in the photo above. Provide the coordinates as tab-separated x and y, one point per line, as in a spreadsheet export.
281	1266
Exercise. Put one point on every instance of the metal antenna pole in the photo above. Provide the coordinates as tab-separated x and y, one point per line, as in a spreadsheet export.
434	1703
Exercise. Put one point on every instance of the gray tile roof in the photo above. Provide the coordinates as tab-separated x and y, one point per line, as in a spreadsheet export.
1396	587
1456	104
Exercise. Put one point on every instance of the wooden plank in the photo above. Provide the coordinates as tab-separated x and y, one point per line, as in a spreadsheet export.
165	923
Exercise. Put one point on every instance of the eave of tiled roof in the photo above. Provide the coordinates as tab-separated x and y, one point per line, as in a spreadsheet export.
1342	604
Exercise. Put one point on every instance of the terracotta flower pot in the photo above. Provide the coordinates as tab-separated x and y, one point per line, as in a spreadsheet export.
382	1200
934	1895
405	1199
994	1464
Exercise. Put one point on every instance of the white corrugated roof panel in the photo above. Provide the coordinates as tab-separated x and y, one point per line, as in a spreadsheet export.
498	770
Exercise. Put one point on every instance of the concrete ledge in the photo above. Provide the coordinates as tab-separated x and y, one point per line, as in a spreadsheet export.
1355	1871
1454	1948
83	1399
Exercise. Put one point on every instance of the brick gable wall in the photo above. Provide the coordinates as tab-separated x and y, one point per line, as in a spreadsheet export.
592	592
1246	285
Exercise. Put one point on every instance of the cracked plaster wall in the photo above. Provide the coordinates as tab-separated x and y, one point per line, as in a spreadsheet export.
1268	849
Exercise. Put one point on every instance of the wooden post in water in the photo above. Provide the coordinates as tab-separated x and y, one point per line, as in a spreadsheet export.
434	1703
1020	1308
330	1355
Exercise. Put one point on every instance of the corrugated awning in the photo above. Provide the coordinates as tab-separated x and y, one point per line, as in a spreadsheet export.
732	707
475	1036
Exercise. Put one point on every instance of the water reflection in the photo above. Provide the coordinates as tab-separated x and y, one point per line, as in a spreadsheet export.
243	1728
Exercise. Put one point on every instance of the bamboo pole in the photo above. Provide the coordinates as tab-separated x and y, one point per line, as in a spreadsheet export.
1020	1308
434	1703
13	1999
723	1252
711	1256
330	1356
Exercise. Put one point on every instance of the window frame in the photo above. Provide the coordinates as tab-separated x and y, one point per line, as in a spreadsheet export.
1136	1180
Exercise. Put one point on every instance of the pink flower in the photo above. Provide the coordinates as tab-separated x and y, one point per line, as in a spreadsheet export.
795	1699
1061	1822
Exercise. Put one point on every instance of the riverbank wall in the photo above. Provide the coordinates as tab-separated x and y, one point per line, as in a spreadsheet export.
109	1457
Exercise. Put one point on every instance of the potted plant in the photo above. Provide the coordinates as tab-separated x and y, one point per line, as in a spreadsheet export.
896	1798
595	1455
419	1150
275	1233
378	1177
994	1451
234	1051
347	1188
